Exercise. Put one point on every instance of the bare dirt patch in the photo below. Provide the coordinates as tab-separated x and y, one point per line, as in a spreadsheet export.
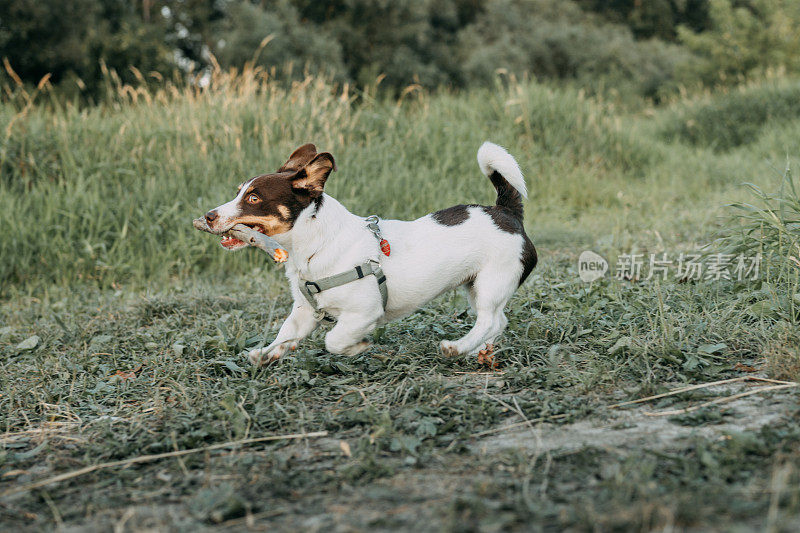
641	427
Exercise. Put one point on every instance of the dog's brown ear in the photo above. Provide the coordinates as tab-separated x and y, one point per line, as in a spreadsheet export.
299	158
311	178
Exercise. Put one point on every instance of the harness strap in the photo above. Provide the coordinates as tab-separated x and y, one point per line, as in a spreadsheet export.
310	288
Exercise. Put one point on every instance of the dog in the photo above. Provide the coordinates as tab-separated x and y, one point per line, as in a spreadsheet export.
482	248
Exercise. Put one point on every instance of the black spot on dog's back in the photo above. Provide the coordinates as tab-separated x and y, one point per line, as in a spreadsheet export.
452	216
505	219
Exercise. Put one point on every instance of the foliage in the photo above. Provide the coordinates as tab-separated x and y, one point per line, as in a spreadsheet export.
625	46
744	40
59	42
654	18
770	226
557	40
737	118
71	41
405	41
275	38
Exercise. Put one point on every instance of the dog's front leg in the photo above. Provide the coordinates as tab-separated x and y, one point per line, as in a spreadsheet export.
297	326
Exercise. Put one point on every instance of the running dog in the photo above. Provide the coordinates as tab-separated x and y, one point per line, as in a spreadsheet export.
364	272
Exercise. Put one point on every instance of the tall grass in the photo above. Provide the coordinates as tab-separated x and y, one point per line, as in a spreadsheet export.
769	225
738	118
105	194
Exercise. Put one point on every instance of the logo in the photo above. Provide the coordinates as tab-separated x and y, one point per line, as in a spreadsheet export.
591	266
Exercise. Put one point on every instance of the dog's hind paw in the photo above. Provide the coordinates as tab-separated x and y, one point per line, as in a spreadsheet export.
448	348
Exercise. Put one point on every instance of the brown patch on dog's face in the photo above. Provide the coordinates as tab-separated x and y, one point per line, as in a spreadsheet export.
271	203
266	224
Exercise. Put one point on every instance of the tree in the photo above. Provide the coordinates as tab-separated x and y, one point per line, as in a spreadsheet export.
40	37
69	39
238	37
652	18
745	39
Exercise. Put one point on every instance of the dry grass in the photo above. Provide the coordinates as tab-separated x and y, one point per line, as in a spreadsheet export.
782	359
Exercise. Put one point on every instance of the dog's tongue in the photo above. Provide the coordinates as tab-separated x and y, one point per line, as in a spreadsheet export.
230	242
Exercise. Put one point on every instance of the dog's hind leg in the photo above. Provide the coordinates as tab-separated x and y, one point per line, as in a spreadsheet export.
488	296
488	326
297	326
347	337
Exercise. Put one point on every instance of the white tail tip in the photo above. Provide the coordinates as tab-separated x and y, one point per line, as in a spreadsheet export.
494	158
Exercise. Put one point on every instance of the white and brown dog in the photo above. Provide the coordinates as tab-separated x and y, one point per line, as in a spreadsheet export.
483	248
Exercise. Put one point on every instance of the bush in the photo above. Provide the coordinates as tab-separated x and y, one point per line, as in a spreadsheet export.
74	41
433	43
405	41
770	226
653	18
276	39
745	39
558	40
736	118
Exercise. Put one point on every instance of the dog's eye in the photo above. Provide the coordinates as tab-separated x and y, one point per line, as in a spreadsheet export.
253	198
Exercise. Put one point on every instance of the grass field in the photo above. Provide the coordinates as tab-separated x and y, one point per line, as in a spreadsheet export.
122	330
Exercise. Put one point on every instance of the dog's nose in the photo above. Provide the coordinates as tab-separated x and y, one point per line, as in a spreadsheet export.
211	216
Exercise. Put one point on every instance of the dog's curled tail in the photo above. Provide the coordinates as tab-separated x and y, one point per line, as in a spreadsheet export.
505	175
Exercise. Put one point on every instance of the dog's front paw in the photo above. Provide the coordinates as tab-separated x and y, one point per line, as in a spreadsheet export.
356	348
449	348
263	356
257	357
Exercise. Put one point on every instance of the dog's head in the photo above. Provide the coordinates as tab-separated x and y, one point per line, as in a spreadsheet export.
271	203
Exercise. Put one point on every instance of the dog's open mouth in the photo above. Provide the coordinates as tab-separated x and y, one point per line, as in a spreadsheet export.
229	242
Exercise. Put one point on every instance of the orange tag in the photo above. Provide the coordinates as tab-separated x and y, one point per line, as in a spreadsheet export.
385	247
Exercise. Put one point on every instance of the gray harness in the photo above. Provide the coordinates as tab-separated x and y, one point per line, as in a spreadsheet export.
369	267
